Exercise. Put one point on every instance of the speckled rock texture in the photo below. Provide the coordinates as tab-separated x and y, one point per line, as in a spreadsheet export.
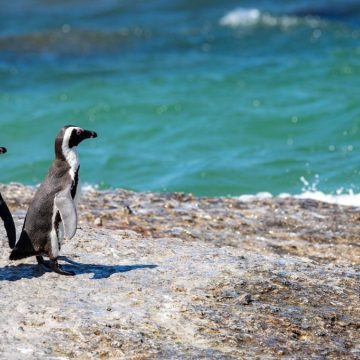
172	276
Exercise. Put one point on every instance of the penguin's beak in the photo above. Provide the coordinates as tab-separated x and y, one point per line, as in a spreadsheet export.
3	150
89	134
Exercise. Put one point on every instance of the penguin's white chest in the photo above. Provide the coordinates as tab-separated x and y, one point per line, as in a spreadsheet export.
72	159
57	235
77	192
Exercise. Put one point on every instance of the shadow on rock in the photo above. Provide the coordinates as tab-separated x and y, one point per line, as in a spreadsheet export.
29	271
101	271
21	271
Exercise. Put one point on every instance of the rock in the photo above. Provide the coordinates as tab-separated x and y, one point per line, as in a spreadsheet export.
98	221
245	299
267	278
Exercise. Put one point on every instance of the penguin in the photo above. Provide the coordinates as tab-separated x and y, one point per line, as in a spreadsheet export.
52	214
6	216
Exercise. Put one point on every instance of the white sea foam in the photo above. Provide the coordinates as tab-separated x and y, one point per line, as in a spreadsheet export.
348	198
258	196
310	191
89	187
242	17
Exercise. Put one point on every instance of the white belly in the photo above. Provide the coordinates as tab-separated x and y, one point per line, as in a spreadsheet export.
57	237
78	192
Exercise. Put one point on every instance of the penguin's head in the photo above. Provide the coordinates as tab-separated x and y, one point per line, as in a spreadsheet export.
2	150
75	135
69	137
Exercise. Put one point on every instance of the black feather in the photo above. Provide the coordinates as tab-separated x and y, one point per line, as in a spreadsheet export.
8	220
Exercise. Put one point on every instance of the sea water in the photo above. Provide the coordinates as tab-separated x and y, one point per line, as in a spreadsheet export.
208	97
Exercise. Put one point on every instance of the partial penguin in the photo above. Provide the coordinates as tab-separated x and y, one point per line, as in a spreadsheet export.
52	214
6	216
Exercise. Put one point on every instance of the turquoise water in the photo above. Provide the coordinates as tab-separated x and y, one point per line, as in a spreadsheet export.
208	97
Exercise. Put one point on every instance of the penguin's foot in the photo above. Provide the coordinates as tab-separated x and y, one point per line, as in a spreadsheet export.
57	268
43	263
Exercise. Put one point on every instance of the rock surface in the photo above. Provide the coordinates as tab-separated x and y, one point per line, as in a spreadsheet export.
174	276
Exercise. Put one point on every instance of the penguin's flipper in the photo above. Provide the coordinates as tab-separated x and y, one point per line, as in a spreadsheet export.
8	220
65	204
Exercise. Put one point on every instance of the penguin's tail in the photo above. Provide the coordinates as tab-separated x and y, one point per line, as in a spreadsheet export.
8	220
23	248
16	254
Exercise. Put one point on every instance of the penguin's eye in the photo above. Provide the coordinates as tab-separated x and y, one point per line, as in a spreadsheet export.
79	131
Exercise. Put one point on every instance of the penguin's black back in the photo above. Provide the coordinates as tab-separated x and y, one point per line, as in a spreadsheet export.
35	235
8	220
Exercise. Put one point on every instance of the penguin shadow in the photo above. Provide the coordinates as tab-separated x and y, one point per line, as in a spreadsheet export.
30	271
100	271
20	271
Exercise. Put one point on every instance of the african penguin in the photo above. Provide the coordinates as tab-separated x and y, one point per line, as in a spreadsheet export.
6	216
52	214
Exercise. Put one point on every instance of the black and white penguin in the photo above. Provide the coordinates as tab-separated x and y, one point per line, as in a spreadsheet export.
52	214
6	216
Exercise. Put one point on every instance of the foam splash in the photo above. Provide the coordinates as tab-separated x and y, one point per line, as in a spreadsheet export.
310	191
242	17
89	187
347	199
258	196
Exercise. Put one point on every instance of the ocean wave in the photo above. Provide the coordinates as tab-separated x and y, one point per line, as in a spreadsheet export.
241	17
340	197
310	191
348	198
